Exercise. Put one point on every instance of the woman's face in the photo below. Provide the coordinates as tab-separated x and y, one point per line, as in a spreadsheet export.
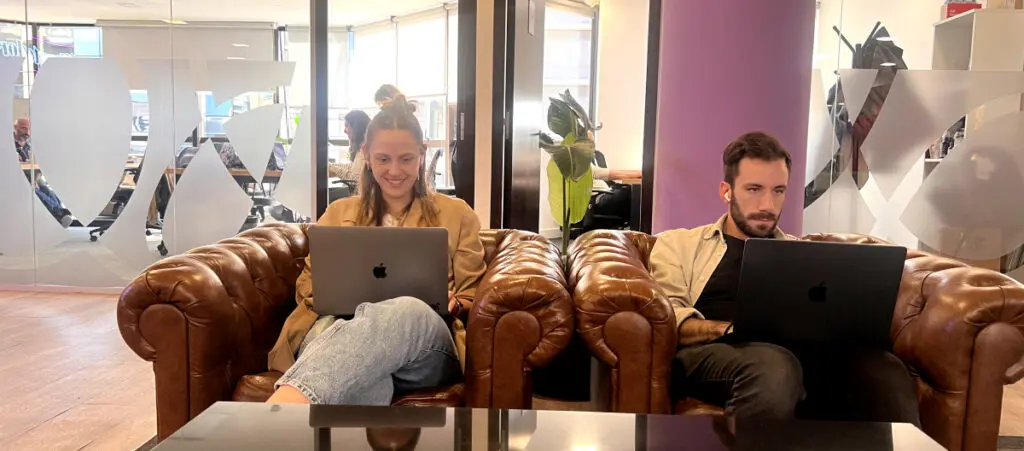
395	162
348	131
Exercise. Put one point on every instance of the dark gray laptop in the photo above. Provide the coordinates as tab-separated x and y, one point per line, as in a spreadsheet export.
812	293
352	265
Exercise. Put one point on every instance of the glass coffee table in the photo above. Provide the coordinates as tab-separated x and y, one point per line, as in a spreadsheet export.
254	426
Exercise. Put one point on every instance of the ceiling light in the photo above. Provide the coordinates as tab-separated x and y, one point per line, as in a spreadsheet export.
887	64
236	57
127	5
884	39
239	44
174	21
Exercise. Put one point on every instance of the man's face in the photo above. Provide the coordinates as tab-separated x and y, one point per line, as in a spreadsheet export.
757	195
23	129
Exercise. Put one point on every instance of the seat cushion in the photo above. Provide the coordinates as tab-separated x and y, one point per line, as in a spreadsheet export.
256	387
691	406
259	387
450	396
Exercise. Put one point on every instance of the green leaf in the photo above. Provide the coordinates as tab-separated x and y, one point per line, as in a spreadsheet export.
577	109
561	118
577	194
572	161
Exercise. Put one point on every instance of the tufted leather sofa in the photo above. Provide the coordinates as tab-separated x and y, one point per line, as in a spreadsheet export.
958	328
208	318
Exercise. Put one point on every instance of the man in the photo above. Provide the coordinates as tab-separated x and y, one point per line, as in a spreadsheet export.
22	134
23	145
699	269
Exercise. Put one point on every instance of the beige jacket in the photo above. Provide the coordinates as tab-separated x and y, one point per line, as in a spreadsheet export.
683	260
466	266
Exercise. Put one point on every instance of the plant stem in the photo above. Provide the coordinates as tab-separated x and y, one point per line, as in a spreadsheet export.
566	227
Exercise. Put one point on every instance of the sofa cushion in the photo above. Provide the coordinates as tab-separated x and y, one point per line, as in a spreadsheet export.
259	387
691	406
256	387
445	396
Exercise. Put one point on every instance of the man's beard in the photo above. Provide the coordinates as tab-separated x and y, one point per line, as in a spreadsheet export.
742	222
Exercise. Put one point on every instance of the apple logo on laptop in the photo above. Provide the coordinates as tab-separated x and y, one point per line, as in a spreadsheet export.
818	293
380	271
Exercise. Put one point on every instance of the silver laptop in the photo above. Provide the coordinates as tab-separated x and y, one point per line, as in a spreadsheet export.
352	265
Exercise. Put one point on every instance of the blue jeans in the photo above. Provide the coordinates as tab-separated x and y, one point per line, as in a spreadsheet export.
398	345
49	200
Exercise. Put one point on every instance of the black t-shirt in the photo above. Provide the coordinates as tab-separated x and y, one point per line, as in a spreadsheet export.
718	300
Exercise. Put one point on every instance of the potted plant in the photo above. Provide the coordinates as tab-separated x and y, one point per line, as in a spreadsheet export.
570	178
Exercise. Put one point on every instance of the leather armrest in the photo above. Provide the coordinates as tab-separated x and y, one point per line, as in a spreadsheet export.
959	328
624	318
207	317
522	319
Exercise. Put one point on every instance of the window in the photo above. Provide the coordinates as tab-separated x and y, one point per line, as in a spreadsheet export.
16	43
70	41
421	49
568	45
374	50
453	56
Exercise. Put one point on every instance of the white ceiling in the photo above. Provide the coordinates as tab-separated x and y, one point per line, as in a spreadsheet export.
282	12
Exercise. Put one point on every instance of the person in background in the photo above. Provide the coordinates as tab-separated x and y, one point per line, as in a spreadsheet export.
385	94
396	345
356	122
698	271
23	146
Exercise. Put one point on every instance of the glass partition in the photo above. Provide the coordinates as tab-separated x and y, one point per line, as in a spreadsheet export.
916	128
142	136
145	131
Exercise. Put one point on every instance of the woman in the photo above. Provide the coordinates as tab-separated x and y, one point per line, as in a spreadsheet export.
386	94
395	345
356	122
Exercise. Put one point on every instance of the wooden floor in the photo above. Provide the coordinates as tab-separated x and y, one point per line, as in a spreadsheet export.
68	381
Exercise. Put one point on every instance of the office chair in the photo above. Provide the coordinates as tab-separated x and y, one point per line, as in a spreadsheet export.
117	204
594	220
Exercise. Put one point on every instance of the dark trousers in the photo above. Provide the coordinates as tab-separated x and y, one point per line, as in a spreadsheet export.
768	381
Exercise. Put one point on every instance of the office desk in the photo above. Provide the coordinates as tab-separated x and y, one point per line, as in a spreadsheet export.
240	175
129	171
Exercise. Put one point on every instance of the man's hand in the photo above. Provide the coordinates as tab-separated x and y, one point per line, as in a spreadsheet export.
696	331
455	306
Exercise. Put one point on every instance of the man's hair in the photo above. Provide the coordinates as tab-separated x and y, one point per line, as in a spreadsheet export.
756	145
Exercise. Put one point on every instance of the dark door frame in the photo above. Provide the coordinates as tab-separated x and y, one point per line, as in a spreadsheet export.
651	115
501	139
465	139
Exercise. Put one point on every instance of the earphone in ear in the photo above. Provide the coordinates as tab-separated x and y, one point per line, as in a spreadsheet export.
728	198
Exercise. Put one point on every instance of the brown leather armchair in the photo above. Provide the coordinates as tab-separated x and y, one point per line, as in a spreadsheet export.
958	329
208	318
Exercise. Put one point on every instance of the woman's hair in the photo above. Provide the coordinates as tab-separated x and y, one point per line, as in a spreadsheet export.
396	116
386	92
357	121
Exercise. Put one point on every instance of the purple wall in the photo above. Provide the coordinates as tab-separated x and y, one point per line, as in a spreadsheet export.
728	67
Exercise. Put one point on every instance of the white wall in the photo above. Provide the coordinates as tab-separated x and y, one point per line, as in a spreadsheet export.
622	81
908	21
